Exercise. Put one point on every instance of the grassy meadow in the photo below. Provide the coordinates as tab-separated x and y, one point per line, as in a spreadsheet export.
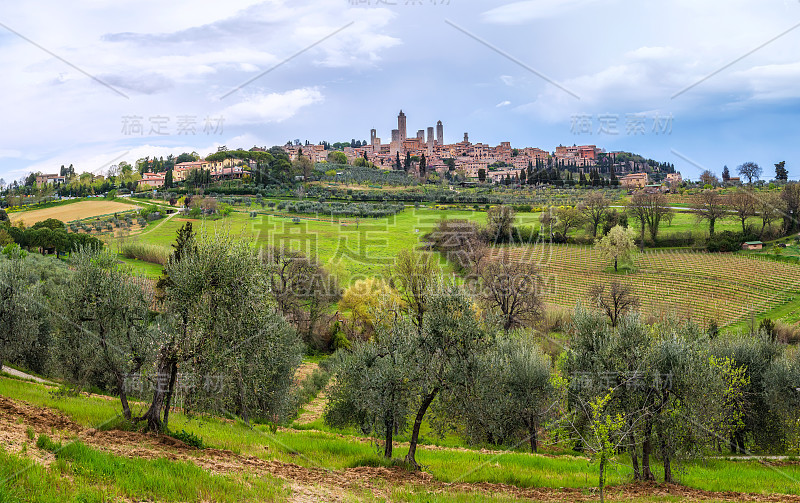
734	286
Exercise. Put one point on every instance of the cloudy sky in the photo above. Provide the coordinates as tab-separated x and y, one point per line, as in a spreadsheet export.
699	84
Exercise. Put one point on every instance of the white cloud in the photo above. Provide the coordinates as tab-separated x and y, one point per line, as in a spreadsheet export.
10	153
274	107
503	104
529	10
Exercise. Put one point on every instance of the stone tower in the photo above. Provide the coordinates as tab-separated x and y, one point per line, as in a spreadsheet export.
401	126
466	137
439	133
430	138
372	135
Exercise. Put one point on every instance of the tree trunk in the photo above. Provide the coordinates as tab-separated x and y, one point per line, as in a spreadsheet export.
173	370
641	244
615	264
123	397
711	227
412	445
647	449
602	481
667	465
740	441
153	414
388	424
534	440
634	458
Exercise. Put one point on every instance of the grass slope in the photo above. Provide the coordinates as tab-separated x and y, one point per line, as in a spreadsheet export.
83	473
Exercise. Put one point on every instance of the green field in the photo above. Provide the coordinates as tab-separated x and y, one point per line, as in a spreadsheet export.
725	288
350	249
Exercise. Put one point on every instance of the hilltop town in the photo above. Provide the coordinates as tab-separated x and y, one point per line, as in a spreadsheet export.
431	154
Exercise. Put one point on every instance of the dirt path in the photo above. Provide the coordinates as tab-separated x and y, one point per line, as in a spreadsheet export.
308	484
162	222
313	410
304	371
23	375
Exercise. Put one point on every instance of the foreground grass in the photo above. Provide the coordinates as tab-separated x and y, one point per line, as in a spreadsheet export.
87	475
331	451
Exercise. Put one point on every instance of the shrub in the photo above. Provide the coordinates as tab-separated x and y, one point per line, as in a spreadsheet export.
44	443
187	438
727	241
142	251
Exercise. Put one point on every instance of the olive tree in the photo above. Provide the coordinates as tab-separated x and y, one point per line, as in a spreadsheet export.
756	353
236	353
23	320
651	377
782	390
512	393
102	325
452	335
371	388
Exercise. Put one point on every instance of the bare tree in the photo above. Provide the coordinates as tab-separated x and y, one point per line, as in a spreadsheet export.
500	223
770	207
707	177
511	289
459	241
617	301
710	205
595	208
562	220
791	206
301	288
650	209
744	204
749	170
415	276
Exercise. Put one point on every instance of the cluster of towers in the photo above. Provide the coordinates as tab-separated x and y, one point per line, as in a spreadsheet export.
400	136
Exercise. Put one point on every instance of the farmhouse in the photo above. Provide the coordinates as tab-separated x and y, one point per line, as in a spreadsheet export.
634	181
45	179
152	179
674	179
752	245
